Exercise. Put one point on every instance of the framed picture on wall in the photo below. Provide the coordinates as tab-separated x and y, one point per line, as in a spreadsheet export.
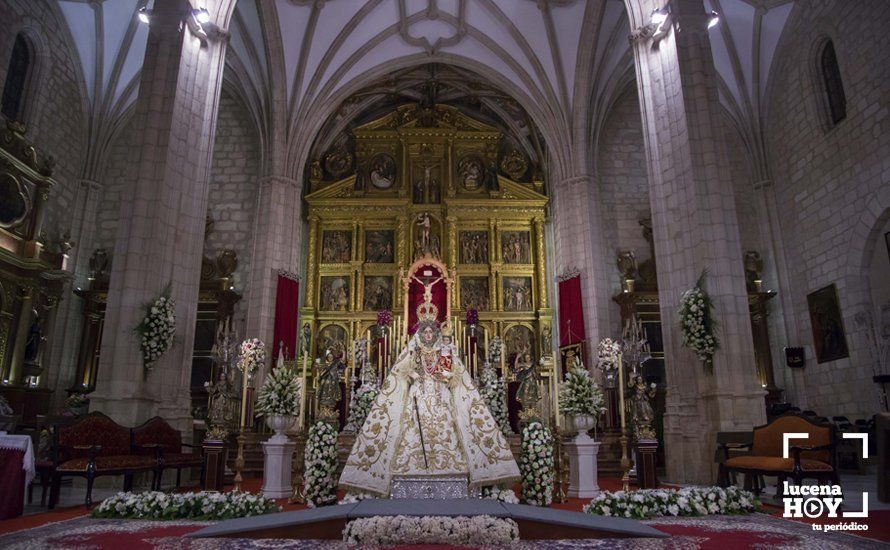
829	337
567	355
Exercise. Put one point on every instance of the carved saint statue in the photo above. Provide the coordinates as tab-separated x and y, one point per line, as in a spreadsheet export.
526	374
329	393
221	402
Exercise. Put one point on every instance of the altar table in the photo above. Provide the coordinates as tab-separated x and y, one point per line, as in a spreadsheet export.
16	473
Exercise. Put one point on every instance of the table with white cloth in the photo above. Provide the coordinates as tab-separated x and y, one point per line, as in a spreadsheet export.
16	473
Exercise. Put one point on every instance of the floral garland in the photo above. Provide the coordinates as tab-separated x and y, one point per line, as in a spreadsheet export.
351	497
167	506
493	390
362	401
697	322
607	353
253	356
461	530
580	395
500	494
157	329
688	501
280	393
321	465
536	465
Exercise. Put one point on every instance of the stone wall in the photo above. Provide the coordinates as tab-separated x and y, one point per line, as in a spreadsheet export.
829	181
53	112
233	185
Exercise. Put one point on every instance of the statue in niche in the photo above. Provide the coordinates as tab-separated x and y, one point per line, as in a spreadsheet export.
526	373
426	243
221	402
426	189
35	338
547	340
306	339
329	374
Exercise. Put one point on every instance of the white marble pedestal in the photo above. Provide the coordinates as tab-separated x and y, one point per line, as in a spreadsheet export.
277	467
582	452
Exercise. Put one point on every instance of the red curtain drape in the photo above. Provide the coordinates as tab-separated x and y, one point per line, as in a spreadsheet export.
415	295
571	312
287	311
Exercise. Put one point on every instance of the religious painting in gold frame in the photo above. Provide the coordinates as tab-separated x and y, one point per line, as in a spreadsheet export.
332	337
473	247
517	293
519	340
377	293
334	293
336	246
474	293
380	246
516	247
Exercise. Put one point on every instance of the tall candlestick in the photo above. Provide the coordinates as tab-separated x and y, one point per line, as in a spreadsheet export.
303	390
621	390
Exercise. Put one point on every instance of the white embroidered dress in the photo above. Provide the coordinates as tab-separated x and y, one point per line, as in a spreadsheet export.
460	437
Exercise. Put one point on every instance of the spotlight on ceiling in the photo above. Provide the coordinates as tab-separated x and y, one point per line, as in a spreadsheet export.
201	15
143	15
713	19
658	16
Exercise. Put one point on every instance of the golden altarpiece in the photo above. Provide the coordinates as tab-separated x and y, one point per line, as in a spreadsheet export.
425	192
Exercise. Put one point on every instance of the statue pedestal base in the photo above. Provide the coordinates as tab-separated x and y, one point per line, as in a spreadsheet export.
277	468
582	452
214	465
646	462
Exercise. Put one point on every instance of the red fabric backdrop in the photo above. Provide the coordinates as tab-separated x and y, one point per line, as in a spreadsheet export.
415	295
571	311
287	312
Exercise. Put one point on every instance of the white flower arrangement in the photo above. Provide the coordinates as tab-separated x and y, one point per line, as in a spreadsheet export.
320	485
697	323
362	401
157	505
536	465
688	501
607	354
495	348
500	494
253	356
157	330
493	390
473	531
580	395
280	393
351	497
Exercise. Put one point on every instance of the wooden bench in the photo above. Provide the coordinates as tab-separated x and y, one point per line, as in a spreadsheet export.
93	446
813	457
158	438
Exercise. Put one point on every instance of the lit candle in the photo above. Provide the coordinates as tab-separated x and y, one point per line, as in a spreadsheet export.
485	351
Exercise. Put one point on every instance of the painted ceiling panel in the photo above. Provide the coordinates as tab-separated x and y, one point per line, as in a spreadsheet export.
81	21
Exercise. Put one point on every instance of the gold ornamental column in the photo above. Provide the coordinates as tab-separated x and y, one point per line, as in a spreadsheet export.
541	266
312	262
451	222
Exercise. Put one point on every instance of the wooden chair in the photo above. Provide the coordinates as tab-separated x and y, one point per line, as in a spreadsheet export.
43	450
158	437
810	458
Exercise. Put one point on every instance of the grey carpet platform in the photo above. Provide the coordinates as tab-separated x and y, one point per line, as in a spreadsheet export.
535	523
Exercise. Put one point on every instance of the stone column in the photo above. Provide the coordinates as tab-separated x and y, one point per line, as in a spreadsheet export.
276	245
696	227
579	245
160	236
16	366
69	323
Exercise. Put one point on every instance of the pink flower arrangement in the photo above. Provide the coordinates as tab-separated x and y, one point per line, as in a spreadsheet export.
384	318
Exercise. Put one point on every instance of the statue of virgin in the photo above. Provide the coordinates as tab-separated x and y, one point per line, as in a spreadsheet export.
428	420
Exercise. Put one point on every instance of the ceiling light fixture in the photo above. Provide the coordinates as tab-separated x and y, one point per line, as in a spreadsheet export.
713	19
143	15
